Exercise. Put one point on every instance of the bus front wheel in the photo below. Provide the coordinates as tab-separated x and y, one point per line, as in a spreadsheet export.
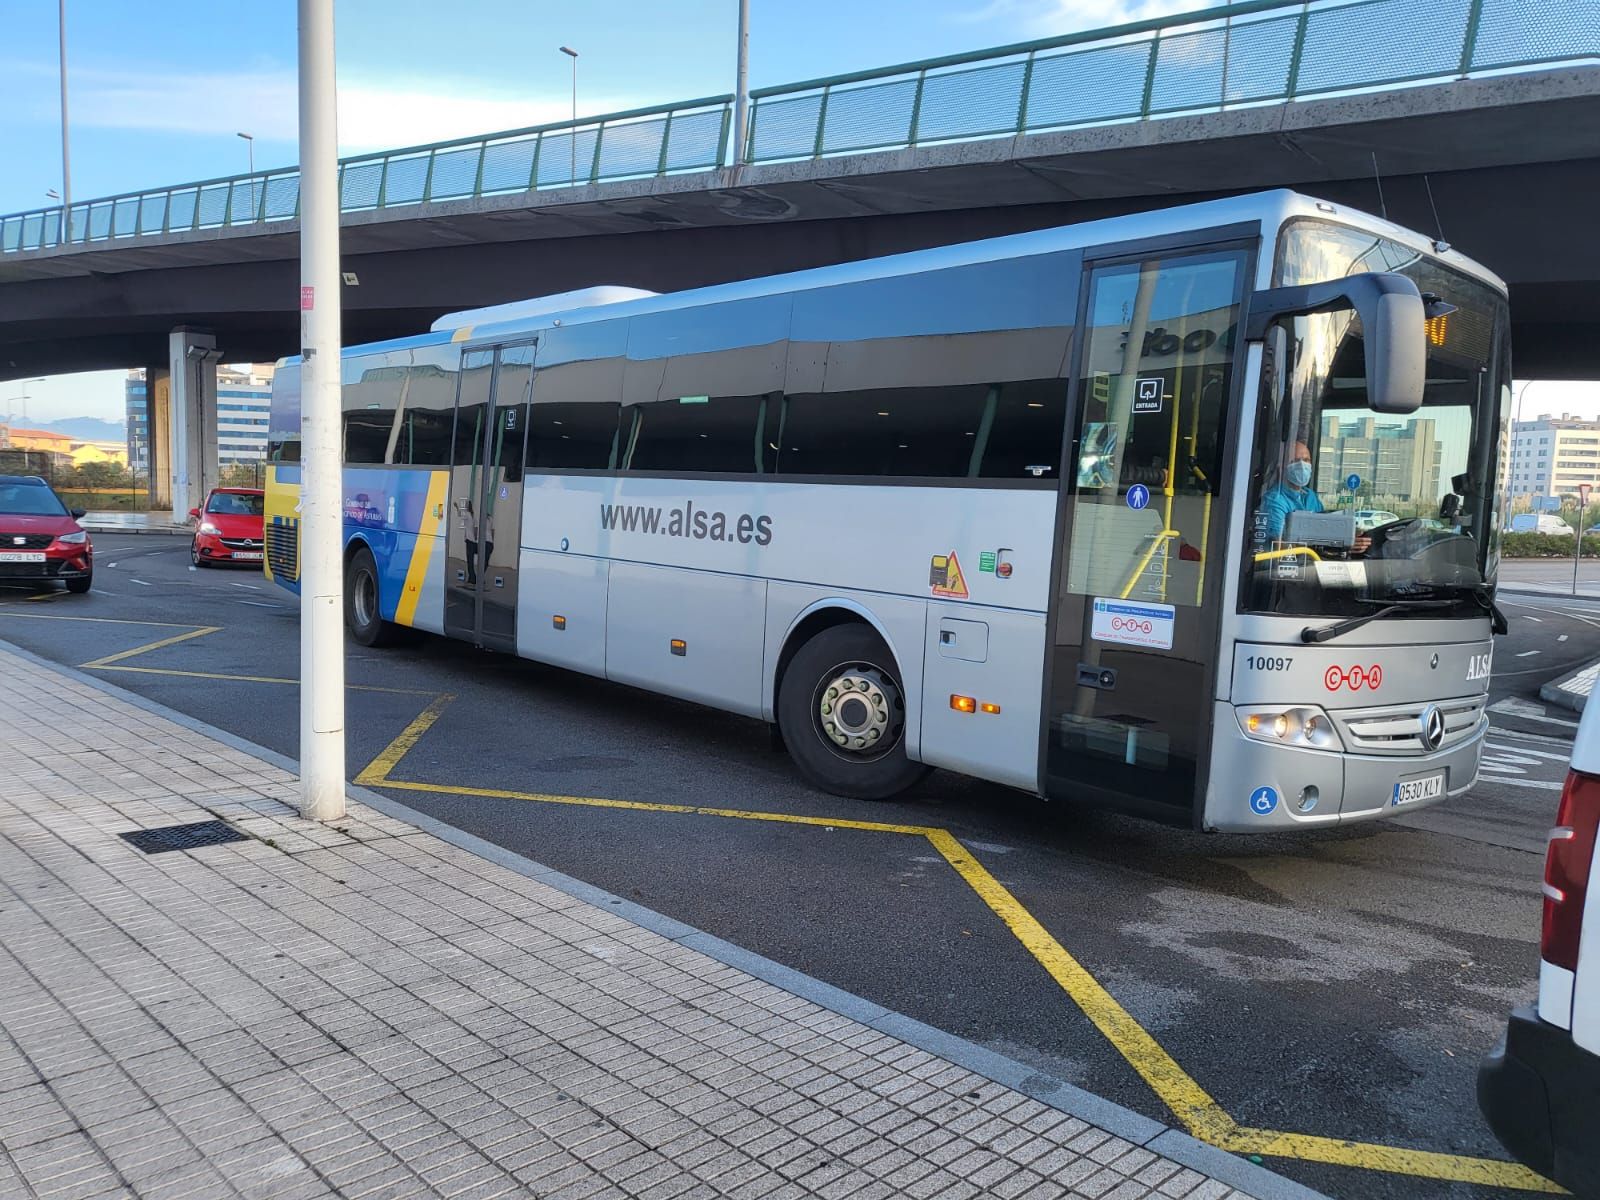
361	608
842	714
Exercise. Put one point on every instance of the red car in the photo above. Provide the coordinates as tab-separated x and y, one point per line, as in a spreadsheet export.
230	529
40	539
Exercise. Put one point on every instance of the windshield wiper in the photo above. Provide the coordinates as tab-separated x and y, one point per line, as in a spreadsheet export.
1328	632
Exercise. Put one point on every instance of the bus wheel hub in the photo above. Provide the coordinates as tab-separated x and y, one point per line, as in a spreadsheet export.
859	709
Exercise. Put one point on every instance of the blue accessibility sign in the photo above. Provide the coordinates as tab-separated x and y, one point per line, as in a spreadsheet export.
1138	496
1352	482
1263	800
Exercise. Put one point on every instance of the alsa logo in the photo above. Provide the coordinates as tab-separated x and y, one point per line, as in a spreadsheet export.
1478	667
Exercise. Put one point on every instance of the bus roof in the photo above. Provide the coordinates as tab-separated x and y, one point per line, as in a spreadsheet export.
1270	209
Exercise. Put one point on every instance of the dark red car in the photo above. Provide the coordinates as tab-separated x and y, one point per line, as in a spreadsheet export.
230	527
40	538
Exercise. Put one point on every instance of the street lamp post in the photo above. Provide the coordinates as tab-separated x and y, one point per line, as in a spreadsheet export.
66	148
573	132
250	143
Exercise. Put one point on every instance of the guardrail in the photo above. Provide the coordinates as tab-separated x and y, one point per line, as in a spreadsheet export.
1256	52
689	136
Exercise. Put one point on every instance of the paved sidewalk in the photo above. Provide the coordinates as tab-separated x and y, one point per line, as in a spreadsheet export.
1572	691
371	1010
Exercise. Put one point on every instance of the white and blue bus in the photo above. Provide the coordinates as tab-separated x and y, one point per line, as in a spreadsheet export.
1074	511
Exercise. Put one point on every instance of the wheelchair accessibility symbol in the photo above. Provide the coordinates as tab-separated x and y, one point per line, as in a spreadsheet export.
1263	800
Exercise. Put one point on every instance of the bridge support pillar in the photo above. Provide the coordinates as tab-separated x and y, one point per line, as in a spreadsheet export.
192	358
157	467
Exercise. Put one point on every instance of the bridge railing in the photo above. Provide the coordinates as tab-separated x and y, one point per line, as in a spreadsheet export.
1260	51
689	136
1254	52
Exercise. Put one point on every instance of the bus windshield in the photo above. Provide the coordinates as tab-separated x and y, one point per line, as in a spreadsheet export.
1351	508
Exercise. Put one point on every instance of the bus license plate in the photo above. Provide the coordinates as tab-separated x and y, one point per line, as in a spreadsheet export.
251	555
1426	787
21	556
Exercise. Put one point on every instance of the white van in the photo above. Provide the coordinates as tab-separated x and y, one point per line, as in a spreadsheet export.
1538	523
1540	1087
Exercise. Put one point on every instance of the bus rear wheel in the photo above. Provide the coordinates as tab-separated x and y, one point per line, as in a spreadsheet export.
842	714
361	605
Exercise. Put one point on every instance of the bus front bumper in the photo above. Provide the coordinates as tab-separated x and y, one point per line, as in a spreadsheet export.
1260	787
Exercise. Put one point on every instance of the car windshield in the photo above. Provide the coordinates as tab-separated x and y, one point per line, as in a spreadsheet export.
239	504
1348	506
30	500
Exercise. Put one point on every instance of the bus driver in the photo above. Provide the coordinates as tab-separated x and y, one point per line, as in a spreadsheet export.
1293	493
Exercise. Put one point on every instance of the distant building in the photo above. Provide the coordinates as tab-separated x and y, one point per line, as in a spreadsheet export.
1395	462
244	401
1551	456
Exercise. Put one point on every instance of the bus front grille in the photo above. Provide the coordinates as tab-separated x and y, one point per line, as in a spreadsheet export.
1397	729
283	548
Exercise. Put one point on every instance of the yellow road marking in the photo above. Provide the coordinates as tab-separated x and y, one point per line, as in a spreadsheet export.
349	687
145	649
45	596
1427	1164
378	769
28	616
1177	1089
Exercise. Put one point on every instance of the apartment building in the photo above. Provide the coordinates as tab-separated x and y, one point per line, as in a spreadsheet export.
1551	456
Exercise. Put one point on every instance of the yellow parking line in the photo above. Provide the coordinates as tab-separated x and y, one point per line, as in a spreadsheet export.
1426	1164
100	620
145	649
349	687
378	769
1177	1088
1190	1102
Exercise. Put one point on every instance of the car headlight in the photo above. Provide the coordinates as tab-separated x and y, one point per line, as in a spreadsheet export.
74	539
208	527
1299	726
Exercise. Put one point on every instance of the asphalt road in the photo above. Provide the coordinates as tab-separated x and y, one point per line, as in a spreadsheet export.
1342	985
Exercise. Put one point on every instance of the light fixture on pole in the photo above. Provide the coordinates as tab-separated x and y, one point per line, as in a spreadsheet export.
573	132
66	148
250	143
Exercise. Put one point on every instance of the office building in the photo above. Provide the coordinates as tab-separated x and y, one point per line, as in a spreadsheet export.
244	401
1551	456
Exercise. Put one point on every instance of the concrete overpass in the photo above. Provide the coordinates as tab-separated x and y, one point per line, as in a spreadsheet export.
1511	156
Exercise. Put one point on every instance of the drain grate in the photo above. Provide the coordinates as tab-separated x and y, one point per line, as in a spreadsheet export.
183	837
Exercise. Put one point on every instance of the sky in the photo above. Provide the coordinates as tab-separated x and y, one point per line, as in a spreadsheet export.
158	94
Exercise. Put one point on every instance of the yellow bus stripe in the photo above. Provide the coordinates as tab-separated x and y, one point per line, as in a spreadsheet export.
405	612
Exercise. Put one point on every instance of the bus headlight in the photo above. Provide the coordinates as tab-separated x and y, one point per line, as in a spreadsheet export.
1300	726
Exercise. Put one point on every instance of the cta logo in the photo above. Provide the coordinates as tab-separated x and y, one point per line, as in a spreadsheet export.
1355	678
1132	625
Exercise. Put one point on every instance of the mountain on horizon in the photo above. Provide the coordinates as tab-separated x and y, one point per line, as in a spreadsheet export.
85	429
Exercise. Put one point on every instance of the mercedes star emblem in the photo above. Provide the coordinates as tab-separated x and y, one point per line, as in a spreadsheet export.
1432	723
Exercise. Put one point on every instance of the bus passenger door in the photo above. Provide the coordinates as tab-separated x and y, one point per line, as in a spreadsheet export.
500	507
1145	521
464	543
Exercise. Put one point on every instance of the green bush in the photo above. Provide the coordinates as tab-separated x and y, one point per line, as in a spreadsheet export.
1545	545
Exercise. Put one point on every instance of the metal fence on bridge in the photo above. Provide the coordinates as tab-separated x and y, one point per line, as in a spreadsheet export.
1257	52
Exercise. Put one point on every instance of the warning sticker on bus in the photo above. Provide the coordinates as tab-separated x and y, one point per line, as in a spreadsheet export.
945	578
1133	623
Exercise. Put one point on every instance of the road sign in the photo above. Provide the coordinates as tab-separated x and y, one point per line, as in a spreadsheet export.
1583	494
1138	496
1352	482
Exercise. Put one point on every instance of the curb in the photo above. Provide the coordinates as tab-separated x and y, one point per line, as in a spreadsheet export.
1117	1119
167	530
1572	691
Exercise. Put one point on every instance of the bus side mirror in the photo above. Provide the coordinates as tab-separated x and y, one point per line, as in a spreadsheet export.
1392	328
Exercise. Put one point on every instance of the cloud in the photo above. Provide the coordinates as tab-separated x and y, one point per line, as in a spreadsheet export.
374	114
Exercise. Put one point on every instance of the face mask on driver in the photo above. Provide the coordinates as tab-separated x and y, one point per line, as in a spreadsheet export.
1298	473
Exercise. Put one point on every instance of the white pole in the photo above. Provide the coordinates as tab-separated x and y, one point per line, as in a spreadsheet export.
321	585
66	146
741	87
